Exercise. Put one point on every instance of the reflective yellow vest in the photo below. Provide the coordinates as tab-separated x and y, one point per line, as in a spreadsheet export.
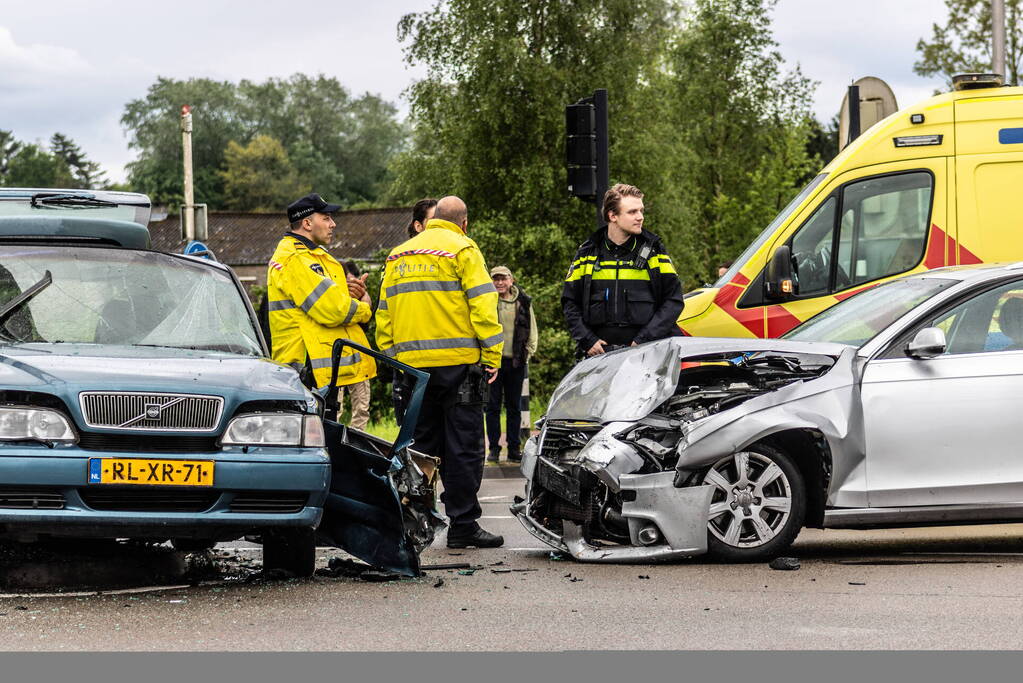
438	305
307	293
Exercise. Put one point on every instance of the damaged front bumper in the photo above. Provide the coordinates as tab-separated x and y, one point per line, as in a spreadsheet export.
617	472
664	522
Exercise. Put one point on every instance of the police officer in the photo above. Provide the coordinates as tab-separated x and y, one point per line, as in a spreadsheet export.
621	288
312	302
438	312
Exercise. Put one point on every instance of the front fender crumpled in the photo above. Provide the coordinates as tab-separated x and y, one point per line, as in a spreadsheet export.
828	404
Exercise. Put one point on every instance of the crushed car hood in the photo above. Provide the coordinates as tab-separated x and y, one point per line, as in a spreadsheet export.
626	385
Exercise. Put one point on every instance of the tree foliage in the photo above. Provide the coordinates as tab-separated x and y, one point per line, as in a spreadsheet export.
703	118
742	125
63	164
963	43
259	176
9	146
341	144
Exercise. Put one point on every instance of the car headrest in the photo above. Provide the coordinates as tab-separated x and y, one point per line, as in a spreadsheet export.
1010	319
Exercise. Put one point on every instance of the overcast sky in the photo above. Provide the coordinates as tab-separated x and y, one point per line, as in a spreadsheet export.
71	66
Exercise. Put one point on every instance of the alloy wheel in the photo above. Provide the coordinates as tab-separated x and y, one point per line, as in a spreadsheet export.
752	499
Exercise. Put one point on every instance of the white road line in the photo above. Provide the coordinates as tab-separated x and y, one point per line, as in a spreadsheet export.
483	498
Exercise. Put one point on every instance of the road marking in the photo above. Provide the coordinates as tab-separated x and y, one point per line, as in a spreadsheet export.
483	498
497	517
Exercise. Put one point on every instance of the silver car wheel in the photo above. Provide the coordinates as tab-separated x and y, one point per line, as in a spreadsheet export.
752	500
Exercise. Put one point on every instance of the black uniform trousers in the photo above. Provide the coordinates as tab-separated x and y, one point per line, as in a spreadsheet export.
453	432
507	391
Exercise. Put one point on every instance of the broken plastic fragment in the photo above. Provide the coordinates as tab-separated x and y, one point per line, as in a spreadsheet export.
785	563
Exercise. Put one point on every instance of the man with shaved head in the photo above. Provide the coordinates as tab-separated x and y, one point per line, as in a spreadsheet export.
438	313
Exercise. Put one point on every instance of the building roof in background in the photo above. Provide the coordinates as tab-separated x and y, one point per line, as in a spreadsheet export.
242	239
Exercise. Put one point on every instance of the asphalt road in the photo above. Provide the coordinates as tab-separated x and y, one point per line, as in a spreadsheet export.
940	588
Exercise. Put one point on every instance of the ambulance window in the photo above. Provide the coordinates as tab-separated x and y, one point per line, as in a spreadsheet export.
811	250
883	230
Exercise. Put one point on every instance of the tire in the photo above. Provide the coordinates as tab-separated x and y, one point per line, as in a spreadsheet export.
741	526
291	550
193	545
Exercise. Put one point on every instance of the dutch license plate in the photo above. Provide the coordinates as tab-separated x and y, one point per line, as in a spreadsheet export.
558	483
150	472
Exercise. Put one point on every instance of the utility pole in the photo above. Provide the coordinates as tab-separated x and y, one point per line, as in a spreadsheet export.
188	210
998	39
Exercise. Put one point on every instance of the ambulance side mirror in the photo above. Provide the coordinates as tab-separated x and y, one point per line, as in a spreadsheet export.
780	283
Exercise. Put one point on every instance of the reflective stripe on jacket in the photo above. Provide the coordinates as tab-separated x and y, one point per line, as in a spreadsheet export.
438	305
309	308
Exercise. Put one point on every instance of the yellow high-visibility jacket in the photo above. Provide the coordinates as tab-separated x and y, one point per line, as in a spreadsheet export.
438	305
307	293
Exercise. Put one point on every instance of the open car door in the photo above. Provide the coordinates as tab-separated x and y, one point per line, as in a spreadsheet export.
381	505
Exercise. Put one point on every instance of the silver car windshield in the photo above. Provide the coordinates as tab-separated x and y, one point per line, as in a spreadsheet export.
122	297
859	319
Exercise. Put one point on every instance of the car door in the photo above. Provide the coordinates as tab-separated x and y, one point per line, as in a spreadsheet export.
945	430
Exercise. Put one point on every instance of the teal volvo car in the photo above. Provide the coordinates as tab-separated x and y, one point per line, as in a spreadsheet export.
137	401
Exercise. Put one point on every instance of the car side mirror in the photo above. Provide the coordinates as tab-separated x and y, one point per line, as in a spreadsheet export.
779	283
928	343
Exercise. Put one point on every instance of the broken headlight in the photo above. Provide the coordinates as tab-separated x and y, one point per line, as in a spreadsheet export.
34	424
275	429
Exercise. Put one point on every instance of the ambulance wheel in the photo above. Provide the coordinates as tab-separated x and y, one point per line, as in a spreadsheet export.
757	507
290	550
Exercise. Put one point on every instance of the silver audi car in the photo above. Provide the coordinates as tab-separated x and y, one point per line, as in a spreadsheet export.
896	407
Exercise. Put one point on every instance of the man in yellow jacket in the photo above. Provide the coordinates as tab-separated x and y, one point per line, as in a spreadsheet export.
438	313
312	302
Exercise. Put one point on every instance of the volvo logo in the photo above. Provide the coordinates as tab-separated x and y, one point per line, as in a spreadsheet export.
153	411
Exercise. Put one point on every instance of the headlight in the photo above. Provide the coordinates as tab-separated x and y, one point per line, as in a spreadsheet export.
20	424
274	429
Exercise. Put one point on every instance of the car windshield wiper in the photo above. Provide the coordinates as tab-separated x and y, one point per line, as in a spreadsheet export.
17	301
75	201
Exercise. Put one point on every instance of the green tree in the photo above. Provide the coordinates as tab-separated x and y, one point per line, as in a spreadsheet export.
259	176
9	146
702	115
32	166
742	125
489	116
74	169
342	145
963	43
154	130
822	143
488	125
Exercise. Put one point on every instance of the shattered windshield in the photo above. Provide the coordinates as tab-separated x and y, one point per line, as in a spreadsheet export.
121	297
858	319
618	387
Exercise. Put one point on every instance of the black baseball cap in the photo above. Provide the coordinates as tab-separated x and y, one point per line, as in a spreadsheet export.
308	205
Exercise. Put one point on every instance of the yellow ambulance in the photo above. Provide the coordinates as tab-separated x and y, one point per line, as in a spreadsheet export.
936	184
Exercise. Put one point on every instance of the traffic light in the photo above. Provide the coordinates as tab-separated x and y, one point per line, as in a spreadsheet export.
586	149
581	149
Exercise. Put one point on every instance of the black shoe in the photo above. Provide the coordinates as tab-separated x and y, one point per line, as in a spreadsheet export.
514	457
479	539
494	457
